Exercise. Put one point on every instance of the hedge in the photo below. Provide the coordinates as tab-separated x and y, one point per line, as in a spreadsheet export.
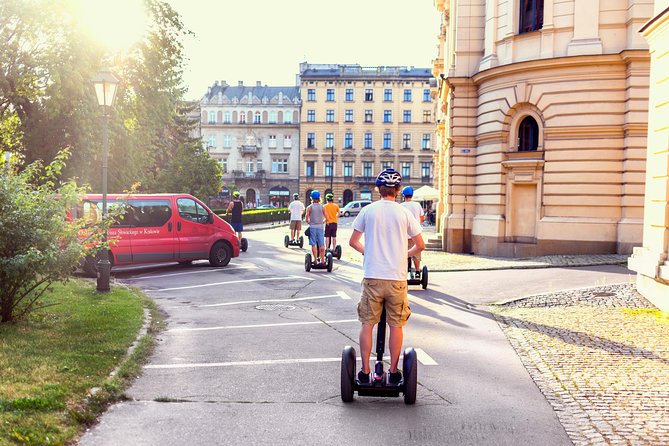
258	215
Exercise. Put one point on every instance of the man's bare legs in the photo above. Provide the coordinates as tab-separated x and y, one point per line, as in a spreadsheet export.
395	346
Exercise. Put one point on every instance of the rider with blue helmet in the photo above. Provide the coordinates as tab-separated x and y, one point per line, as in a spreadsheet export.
315	218
417	211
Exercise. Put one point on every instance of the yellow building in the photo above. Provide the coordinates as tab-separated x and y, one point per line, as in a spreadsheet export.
357	120
651	260
542	123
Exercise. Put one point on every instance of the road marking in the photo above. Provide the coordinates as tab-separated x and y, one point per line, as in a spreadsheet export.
199	271
285	324
232	281
424	358
341	294
258	362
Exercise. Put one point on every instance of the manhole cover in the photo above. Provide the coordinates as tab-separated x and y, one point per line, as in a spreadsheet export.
603	294
275	307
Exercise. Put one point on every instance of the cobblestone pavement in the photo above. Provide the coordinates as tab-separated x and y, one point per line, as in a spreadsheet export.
601	358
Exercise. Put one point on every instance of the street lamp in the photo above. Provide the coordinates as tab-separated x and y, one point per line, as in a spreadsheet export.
331	167
105	84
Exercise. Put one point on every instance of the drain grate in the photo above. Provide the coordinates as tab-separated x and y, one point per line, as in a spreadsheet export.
603	294
275	307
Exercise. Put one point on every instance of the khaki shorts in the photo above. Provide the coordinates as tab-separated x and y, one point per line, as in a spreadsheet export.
374	293
417	256
296	224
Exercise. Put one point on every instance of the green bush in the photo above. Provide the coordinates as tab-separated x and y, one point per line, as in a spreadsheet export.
250	216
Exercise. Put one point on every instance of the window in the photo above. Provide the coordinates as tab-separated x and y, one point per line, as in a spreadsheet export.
224	165
212	117
369	94
249	166
387	94
426	169
330	95
258	165
272	117
280	165
348	116
311	140
329	116
288	117
369	116
211	142
256	118
427	141
311	94
406	169
349	94
528	135
242	118
227	141
387	141
271	141
348	140
310	168
387	116
368	140
287	141
426	95
227	117
406	140
367	169
191	210
531	15
329	171
329	140
386	165
427	116
348	168
407	95
406	116
311	115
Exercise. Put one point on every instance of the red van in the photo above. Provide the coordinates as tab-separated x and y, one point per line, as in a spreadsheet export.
162	228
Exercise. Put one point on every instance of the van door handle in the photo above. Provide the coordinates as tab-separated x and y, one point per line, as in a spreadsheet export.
169	226
178	226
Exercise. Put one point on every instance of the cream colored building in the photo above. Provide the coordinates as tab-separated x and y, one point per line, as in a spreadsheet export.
542	125
253	131
357	120
651	260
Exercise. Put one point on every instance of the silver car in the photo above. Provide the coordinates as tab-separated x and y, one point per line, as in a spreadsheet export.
353	208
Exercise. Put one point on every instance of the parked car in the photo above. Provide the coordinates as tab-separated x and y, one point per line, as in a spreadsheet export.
265	206
161	228
353	208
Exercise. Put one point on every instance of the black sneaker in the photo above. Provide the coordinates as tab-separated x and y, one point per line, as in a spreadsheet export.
395	377
363	377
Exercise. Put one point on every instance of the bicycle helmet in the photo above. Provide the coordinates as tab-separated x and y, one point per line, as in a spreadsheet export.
295	195
407	191
315	195
389	178
235	194
329	197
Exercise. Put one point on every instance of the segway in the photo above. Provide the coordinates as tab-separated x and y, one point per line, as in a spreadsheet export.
379	385
288	242
309	263
415	278
243	244
336	252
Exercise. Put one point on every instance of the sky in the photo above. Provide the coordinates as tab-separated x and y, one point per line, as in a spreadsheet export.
266	40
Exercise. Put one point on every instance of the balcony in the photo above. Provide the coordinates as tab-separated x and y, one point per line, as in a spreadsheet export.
248	150
240	174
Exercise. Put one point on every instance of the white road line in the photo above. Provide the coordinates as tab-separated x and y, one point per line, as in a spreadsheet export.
232	281
199	271
424	358
341	294
286	324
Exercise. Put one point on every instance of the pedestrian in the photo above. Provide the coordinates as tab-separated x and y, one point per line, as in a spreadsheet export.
331	211
417	211
315	218
385	226
296	209
235	209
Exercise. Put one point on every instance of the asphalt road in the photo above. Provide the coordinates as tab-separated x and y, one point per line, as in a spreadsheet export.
252	355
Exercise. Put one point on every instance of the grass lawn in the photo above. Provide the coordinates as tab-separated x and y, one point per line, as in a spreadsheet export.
50	362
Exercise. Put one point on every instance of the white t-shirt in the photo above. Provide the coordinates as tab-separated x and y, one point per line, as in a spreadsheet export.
296	209
415	208
386	226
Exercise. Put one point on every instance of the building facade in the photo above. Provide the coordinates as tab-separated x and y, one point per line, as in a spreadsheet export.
357	120
254	133
543	122
651	260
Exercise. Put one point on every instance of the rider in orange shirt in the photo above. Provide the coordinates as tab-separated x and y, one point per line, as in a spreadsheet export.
331	212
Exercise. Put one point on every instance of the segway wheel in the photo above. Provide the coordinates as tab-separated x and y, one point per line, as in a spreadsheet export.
244	245
307	262
423	277
301	241
347	374
337	252
329	261
410	369
286	240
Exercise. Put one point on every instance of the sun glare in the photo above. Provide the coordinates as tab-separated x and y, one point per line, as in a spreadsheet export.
118	24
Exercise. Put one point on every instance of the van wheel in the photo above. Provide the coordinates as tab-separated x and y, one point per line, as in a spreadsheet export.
220	254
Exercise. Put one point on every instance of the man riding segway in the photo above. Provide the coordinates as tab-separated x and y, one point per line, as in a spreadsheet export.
331	212
296	209
417	211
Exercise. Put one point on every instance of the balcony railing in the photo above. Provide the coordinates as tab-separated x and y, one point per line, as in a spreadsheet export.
248	149
260	174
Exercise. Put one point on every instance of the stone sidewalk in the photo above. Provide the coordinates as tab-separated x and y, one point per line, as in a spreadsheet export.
601	358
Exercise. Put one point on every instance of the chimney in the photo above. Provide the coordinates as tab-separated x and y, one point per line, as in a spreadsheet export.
258	84
240	83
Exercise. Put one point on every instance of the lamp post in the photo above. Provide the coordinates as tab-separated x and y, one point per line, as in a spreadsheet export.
105	84
331	167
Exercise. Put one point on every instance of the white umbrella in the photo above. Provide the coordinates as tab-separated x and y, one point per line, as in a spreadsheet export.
425	193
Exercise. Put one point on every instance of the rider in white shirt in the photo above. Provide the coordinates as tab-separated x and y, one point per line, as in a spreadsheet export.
296	209
417	211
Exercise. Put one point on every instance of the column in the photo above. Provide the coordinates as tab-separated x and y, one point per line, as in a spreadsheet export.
586	30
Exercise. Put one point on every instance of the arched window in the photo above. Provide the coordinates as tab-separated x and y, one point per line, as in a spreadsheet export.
531	15
528	135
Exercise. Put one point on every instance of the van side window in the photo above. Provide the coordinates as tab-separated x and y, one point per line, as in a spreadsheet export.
150	213
91	211
192	210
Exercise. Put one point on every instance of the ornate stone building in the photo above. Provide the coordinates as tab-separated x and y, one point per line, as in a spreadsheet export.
542	125
357	120
254	133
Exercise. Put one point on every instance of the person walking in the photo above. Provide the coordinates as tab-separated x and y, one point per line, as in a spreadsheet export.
235	209
417	211
385	226
296	209
331	211
315	218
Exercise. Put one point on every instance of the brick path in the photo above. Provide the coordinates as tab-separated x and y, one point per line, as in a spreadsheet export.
601	358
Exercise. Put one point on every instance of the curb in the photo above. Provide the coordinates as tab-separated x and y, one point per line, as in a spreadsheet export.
262	228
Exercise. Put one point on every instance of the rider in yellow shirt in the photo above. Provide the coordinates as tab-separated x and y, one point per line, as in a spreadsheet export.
331	212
